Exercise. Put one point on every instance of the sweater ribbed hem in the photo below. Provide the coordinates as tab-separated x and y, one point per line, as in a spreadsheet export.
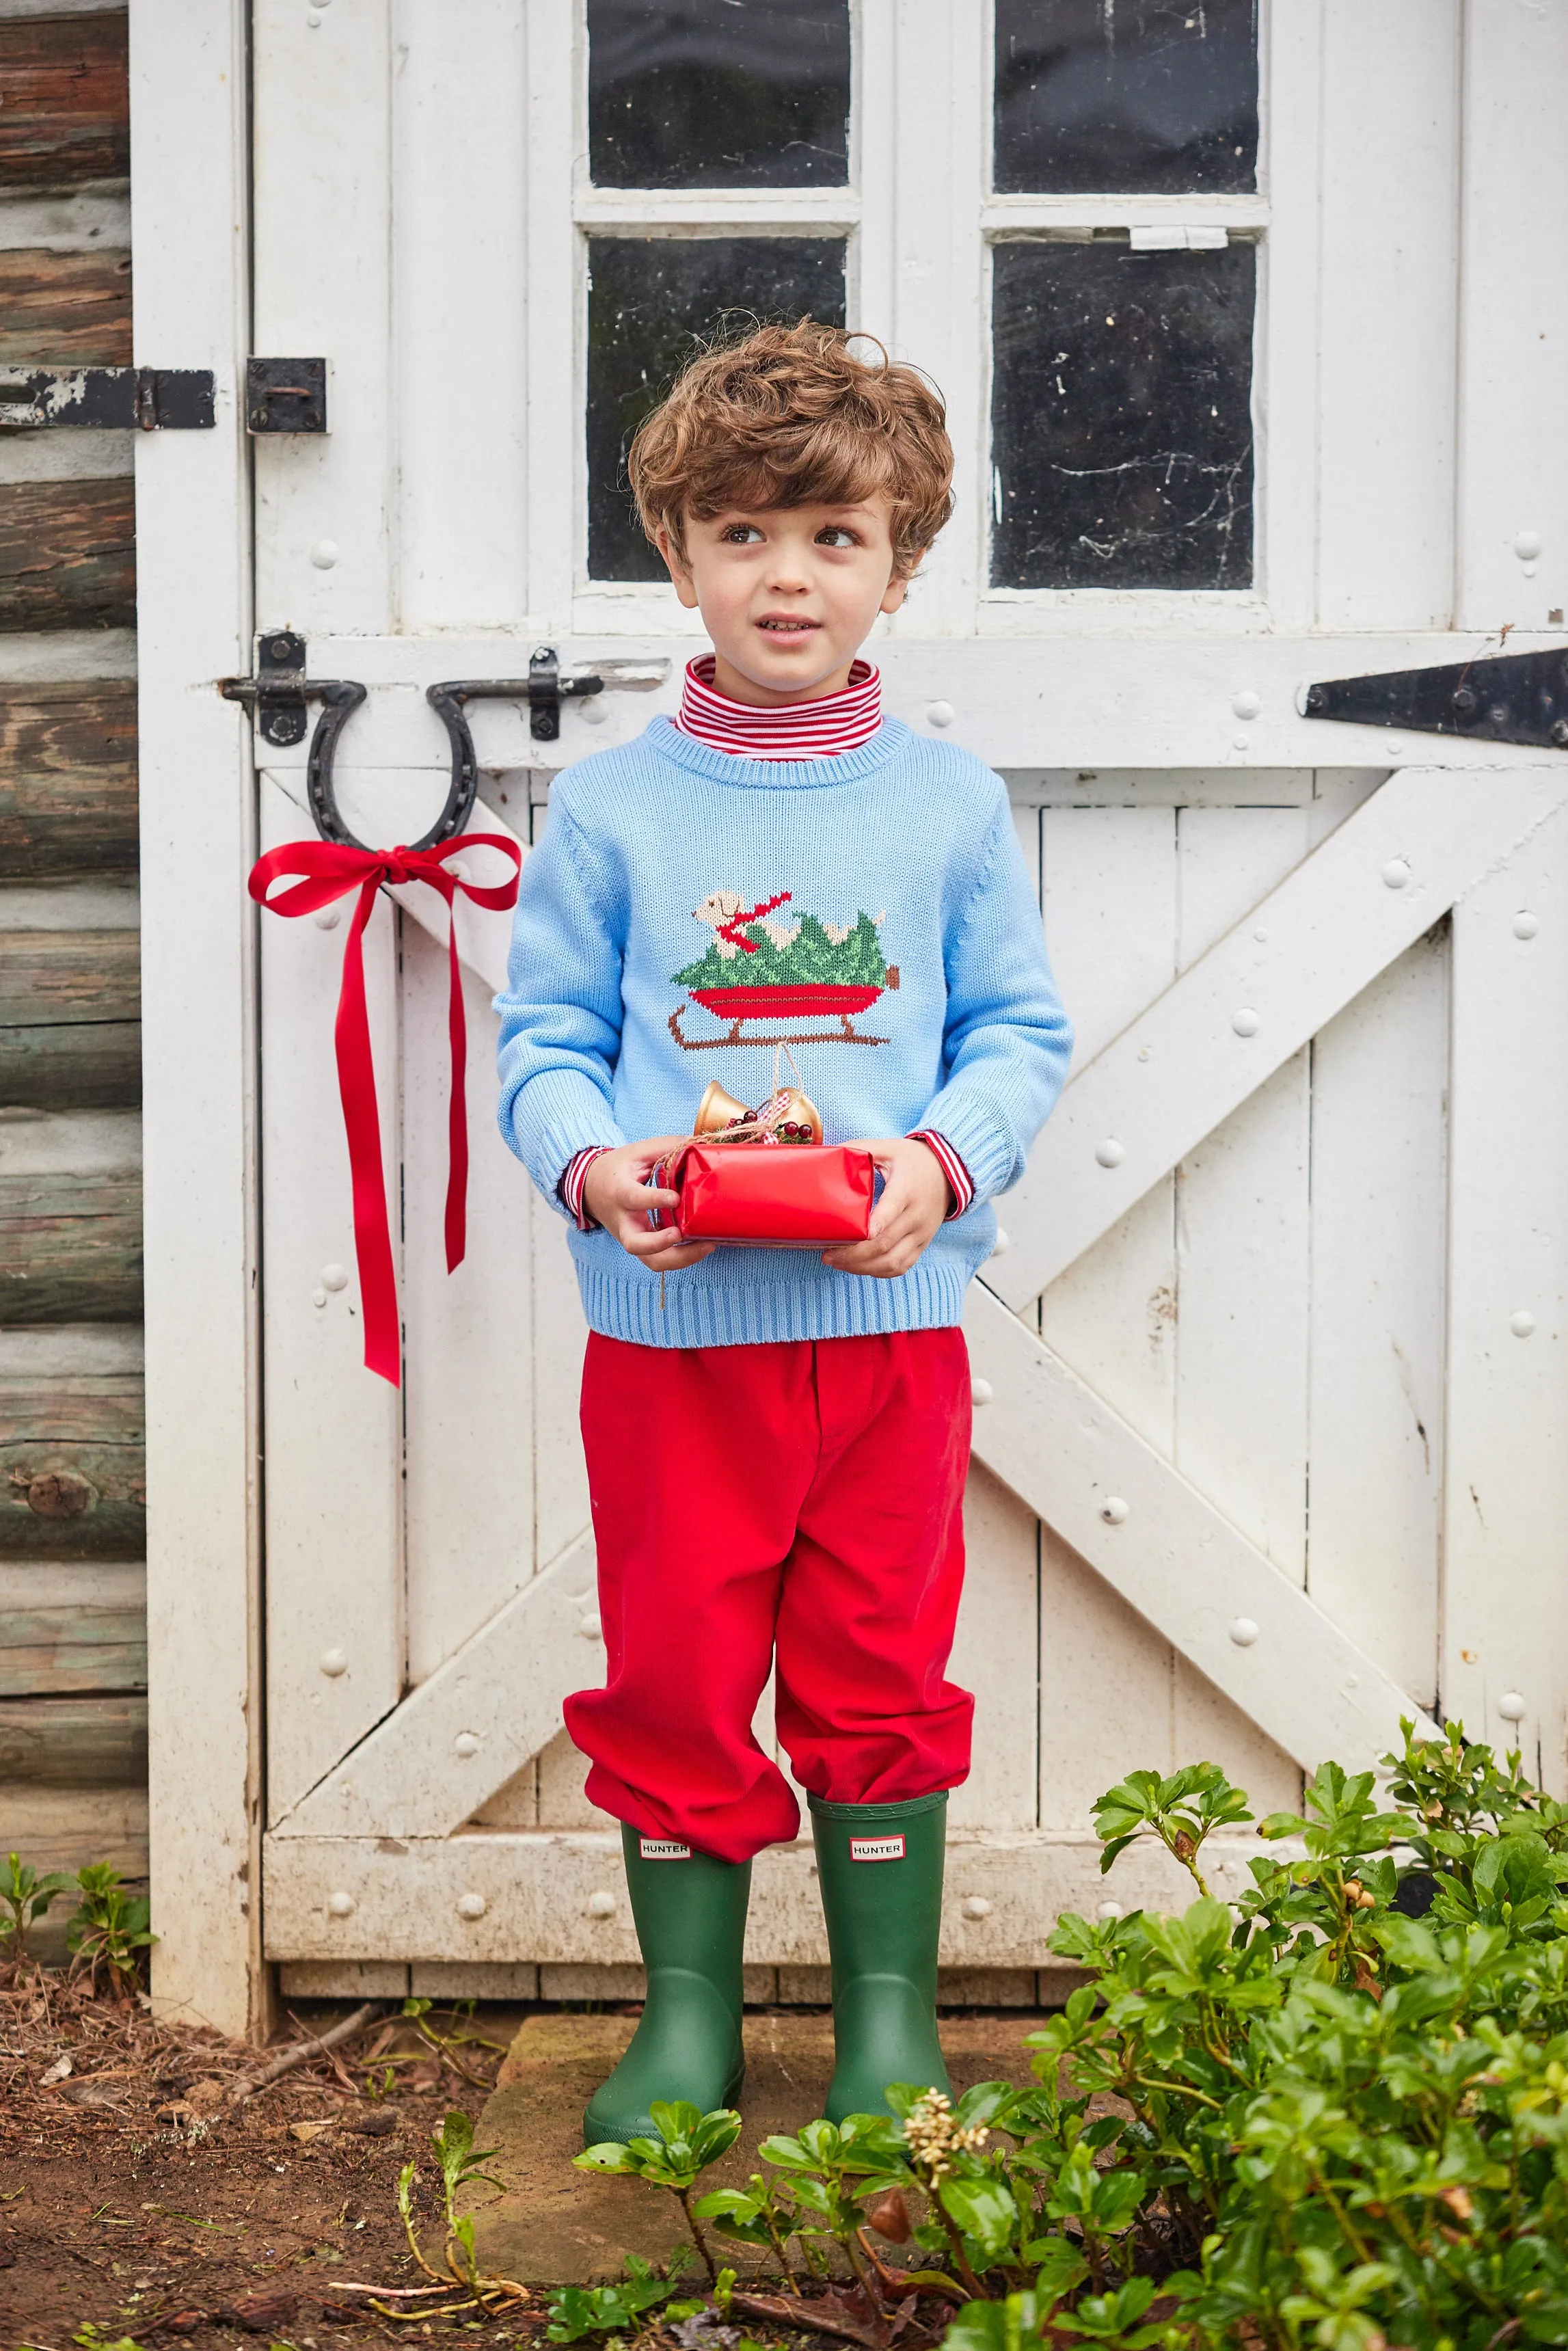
929	1297
874	1815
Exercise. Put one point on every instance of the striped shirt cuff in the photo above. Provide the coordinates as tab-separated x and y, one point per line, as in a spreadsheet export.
570	1189
961	1183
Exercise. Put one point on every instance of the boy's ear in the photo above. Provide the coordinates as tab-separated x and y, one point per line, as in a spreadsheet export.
686	587
898	586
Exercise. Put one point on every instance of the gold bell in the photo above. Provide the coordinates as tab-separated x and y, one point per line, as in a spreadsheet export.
797	1109
718	1110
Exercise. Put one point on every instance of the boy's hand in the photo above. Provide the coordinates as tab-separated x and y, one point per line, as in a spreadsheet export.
617	1195
913	1203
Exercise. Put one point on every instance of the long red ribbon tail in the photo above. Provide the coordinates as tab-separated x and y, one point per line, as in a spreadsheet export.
361	1123
458	1099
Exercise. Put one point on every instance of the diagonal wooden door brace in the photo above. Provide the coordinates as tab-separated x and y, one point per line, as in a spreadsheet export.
473	1723
1370	891
1171	1554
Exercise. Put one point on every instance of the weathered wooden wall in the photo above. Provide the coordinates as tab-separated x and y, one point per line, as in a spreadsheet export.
73	1500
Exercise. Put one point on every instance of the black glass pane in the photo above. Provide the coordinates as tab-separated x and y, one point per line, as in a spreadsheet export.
651	300
1120	418
1156	96
718	93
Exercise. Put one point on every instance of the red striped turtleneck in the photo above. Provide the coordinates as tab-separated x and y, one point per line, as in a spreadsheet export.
793	730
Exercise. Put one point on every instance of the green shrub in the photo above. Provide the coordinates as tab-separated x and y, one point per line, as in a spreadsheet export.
1333	2113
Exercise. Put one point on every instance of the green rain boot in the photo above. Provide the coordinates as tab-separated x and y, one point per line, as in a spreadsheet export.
880	1867
690	1915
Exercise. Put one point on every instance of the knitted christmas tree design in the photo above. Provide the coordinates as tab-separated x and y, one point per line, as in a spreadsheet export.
761	966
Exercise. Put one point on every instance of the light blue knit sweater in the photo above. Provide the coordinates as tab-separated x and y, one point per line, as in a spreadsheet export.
899	884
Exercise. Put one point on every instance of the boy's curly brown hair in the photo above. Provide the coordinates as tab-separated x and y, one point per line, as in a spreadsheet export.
791	417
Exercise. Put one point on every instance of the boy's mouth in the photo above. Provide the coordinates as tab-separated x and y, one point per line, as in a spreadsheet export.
779	624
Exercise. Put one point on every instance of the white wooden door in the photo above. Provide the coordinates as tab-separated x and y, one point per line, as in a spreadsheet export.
1271	1367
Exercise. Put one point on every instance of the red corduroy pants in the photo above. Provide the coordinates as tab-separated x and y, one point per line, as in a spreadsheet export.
795	1506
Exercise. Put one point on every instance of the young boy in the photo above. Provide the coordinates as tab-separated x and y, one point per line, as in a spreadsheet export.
776	1442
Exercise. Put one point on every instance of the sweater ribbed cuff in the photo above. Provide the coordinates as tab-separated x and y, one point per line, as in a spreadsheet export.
961	1183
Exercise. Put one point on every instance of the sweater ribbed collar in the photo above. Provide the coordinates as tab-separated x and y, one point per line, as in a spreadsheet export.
666	741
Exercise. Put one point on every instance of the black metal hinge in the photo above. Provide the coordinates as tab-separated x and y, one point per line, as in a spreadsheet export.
112	398
286	395
1512	698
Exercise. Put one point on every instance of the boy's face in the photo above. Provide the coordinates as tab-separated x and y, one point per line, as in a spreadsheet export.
786	594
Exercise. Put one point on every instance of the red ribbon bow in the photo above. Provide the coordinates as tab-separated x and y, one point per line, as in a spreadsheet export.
328	870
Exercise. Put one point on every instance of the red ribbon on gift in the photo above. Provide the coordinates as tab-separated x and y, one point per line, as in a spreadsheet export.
328	870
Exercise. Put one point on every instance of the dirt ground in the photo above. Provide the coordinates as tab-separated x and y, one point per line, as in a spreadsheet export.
137	2201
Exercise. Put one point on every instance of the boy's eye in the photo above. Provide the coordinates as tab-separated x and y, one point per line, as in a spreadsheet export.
742	534
835	535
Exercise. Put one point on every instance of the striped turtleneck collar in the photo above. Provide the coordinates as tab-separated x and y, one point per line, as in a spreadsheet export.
796	730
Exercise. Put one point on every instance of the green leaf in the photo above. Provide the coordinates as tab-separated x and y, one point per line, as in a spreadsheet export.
984	2210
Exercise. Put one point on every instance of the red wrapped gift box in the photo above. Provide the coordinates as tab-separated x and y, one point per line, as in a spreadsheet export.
790	1196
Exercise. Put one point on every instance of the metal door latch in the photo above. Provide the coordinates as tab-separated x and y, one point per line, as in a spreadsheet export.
543	690
111	399
279	694
286	395
1512	698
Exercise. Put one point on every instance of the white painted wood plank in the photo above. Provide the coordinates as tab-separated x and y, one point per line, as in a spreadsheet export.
995	1655
1513	356
1327	931
1110	909
1241	1334
1389	171
187	111
334	1488
555	315
942	100
320	97
1379	1182
502	1690
1172	1556
1242	1227
458	167
1110	882
1285	389
536	1891
1507	1473
1106	1701
468	1342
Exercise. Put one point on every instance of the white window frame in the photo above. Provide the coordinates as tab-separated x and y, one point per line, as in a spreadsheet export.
921	223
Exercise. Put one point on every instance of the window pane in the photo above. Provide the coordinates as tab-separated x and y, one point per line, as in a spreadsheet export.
718	93
1154	97
1121	418
650	301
